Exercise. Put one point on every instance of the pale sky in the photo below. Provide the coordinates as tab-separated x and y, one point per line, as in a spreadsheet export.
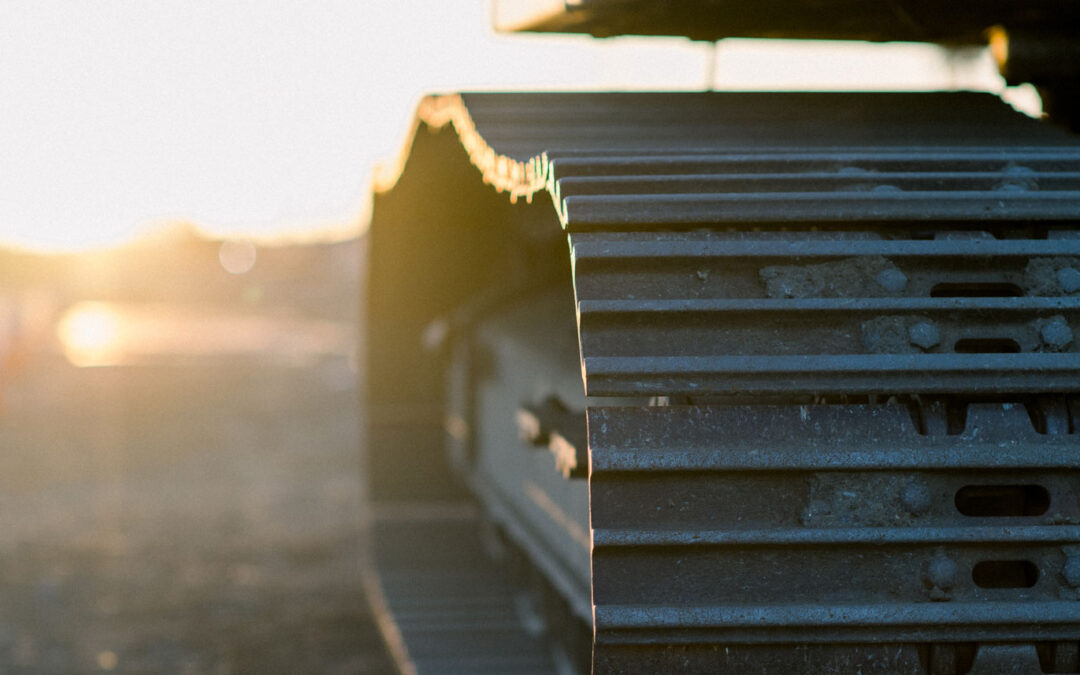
266	117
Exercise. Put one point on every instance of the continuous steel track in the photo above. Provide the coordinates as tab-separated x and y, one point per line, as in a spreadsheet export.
855	317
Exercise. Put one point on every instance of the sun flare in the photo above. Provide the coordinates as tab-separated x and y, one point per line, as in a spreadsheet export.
90	333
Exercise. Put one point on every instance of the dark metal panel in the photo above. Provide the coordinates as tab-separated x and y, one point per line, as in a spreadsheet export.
1007	159
857	626
640	247
675	441
969	209
706	327
815	374
816	182
970	305
530	352
961	21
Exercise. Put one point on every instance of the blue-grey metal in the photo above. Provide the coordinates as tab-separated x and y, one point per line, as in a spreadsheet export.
885	295
745	519
855	316
821	524
880	273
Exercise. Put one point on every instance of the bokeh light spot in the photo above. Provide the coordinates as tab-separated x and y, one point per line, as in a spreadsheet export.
237	256
107	660
90	334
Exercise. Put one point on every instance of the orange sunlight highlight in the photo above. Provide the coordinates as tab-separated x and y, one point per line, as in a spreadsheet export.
94	334
286	112
90	333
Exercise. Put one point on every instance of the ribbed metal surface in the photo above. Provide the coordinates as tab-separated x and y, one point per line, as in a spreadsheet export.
521	140
804	271
745	255
451	609
743	525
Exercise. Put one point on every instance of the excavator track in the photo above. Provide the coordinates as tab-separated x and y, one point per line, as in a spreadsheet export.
830	380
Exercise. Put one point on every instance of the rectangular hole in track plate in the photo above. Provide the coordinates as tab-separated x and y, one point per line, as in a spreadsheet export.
986	346
976	290
1002	501
1005	574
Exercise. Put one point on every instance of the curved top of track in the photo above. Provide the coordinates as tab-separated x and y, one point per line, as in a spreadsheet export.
524	143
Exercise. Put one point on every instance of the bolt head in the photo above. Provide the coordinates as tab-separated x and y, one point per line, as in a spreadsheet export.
916	498
924	334
941	572
1056	333
1069	279
892	279
1071	571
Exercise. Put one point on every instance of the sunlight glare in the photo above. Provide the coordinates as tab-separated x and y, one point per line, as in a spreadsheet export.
90	333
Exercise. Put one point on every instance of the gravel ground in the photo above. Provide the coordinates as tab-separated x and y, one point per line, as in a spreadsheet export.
198	517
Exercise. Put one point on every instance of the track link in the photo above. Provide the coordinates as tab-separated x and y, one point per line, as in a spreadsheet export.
855	317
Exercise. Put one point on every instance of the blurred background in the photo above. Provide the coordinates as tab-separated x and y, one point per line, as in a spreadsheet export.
179	480
183	195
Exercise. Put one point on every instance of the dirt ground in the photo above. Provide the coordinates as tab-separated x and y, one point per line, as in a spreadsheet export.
184	517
